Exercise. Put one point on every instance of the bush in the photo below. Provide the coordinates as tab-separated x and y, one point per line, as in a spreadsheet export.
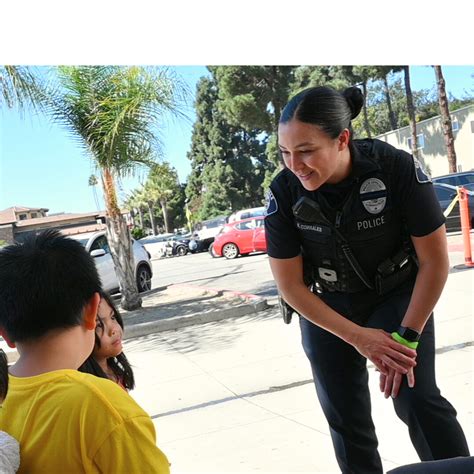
138	233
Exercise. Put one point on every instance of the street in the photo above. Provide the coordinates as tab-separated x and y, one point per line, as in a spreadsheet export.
249	274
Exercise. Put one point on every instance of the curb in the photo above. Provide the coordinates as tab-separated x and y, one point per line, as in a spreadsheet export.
151	327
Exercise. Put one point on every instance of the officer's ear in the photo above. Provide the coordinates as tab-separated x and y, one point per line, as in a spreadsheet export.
343	139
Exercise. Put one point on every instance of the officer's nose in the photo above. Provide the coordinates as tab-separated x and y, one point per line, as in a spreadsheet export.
294	162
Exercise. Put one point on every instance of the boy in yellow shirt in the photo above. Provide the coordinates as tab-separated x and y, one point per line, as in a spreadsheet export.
64	420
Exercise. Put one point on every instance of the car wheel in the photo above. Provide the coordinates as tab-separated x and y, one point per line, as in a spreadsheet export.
230	251
181	250
212	251
143	278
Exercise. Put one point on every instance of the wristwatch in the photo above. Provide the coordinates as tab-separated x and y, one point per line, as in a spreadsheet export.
408	334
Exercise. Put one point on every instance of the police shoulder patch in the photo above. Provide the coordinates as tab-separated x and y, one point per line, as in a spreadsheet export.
271	205
421	176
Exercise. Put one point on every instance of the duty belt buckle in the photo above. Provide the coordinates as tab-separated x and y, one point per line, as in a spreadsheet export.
327	274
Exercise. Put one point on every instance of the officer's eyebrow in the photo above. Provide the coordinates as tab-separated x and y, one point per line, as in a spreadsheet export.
300	145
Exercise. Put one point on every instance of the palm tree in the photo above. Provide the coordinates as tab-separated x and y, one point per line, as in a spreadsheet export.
20	86
111	111
446	119
93	182
136	200
411	111
160	186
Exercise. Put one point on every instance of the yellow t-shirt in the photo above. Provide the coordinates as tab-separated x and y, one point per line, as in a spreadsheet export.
70	422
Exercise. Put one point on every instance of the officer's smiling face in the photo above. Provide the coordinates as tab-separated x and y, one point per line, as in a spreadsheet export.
312	155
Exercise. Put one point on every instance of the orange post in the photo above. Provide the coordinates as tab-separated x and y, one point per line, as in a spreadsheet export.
465	225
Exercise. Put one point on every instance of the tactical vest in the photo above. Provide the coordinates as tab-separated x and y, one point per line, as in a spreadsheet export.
367	218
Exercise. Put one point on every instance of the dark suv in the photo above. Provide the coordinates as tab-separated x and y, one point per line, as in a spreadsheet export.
456	179
445	194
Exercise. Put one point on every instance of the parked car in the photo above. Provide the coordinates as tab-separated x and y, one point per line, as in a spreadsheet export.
241	238
97	245
455	179
205	232
445	194
247	213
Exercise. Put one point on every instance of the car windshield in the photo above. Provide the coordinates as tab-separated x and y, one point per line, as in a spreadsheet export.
83	242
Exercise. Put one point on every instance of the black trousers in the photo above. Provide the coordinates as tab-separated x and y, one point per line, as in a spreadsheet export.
341	379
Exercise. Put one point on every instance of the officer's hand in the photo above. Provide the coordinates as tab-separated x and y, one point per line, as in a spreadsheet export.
385	353
390	384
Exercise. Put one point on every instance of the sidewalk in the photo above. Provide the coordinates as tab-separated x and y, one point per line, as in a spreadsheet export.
178	306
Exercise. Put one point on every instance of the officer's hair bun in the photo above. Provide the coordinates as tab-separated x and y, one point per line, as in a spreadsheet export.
355	100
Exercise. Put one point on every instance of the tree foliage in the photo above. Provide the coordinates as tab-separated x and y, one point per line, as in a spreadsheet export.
228	162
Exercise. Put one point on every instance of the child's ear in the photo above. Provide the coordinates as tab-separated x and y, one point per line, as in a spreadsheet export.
7	339
90	312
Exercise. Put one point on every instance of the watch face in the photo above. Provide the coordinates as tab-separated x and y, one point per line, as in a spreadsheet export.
409	334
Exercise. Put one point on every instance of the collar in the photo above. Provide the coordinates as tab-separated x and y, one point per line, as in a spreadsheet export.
362	153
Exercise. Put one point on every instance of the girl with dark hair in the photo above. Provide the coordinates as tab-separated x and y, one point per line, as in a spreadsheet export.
357	246
107	359
9	448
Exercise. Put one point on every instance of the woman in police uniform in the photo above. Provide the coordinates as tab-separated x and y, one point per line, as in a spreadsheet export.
357	246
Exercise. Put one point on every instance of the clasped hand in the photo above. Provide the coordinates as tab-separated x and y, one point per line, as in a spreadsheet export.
391	359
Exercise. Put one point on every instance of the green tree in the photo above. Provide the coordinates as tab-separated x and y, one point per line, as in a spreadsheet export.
112	111
21	87
253	97
228	162
411	111
161	185
446	119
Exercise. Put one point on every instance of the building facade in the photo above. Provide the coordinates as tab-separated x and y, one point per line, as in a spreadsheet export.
431	146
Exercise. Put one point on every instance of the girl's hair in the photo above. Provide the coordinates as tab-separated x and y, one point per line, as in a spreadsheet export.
119	365
3	375
330	110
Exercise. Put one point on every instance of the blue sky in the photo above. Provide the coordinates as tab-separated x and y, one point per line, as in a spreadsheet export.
41	165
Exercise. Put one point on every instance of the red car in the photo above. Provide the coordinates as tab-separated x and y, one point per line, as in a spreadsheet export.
241	238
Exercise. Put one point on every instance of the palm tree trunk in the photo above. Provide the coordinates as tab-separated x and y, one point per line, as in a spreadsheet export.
366	116
164	209
446	119
152	217
120	244
411	111
391	114
140	215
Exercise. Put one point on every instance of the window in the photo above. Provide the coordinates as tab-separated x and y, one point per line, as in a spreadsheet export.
420	138
22	217
34	215
100	243
443	194
249	225
454	124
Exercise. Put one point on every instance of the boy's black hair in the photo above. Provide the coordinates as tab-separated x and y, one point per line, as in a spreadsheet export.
119	365
45	283
3	375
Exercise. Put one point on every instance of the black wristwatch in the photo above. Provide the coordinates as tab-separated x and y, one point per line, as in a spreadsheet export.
409	334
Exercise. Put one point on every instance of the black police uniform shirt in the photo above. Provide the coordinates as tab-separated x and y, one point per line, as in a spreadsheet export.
386	194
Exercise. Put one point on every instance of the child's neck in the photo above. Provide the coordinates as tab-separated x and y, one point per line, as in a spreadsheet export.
61	349
103	365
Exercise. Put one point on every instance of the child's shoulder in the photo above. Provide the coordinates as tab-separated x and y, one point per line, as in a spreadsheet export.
103	394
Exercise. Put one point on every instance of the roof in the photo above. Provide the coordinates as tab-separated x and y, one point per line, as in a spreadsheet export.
58	218
8	216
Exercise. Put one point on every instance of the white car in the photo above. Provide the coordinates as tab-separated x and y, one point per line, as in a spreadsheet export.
97	245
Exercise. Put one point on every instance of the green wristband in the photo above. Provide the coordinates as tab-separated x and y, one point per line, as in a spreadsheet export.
401	340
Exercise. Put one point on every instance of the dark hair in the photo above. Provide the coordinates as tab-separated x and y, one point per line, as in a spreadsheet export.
45	283
119	365
3	375
325	107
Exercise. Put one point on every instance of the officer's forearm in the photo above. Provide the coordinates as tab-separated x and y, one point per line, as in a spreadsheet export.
432	252
429	284
311	307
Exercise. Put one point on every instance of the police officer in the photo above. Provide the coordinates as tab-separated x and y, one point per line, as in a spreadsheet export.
357	246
